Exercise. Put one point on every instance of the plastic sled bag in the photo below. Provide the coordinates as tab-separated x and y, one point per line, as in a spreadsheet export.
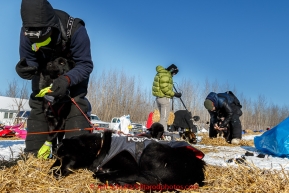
275	141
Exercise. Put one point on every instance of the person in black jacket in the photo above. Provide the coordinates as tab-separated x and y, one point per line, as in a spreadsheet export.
46	34
225	112
184	120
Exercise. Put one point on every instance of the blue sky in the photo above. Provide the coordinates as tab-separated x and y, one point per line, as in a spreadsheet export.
244	43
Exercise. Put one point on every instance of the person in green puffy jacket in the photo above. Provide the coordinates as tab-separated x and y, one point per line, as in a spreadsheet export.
163	91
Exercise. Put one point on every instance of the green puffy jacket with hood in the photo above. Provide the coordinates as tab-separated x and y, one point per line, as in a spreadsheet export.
163	83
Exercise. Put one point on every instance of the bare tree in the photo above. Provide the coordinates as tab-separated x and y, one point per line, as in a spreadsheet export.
18	93
114	94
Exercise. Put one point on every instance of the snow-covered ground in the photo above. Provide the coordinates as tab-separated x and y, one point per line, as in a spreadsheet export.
11	148
224	154
219	155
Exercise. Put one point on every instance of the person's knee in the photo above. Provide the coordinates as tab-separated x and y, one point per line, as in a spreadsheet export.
36	134
33	142
76	125
81	103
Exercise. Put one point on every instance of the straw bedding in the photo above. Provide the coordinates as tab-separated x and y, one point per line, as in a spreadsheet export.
10	138
30	174
156	117
220	141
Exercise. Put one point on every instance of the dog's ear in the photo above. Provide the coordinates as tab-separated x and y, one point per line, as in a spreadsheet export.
160	134
64	141
61	60
69	143
63	147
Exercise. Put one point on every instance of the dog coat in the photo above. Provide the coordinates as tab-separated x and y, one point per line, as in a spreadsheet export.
136	144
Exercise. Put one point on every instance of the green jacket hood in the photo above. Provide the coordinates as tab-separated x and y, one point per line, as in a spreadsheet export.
161	69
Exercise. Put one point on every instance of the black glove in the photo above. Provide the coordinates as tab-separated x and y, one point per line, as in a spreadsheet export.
59	87
25	71
178	94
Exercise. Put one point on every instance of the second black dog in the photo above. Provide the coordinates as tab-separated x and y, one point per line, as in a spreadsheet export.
155	131
55	111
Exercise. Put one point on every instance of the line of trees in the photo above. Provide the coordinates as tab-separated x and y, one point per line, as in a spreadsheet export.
115	93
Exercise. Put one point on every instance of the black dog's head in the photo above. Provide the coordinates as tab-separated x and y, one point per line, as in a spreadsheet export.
58	67
196	118
156	130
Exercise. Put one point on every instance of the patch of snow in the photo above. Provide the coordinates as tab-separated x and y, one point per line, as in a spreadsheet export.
249	137
203	130
221	154
11	148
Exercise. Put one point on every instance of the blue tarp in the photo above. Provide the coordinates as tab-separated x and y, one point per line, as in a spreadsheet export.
275	141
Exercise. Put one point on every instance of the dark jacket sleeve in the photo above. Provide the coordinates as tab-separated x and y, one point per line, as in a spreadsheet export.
229	113
25	50
81	54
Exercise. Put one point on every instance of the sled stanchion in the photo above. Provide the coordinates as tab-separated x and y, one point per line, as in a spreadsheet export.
180	98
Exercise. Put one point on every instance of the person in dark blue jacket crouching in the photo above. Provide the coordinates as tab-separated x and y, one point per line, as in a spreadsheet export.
225	112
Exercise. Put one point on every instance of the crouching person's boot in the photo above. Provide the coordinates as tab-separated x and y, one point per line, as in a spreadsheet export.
236	141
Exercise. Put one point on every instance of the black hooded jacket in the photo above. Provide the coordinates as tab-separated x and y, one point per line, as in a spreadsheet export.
183	119
76	47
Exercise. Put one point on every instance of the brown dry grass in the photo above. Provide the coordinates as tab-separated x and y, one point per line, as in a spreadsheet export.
156	117
244	179
31	175
220	141
10	138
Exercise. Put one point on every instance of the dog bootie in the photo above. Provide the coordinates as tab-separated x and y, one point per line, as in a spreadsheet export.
249	154
261	155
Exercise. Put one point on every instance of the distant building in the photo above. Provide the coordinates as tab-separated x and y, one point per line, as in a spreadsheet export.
9	113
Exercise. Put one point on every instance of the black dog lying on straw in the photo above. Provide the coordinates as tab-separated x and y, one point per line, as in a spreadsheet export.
55	110
131	159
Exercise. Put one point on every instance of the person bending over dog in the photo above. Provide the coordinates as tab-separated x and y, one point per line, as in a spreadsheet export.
130	159
228	106
184	124
46	34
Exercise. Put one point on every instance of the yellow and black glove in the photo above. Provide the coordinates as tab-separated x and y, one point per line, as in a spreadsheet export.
59	87
45	151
